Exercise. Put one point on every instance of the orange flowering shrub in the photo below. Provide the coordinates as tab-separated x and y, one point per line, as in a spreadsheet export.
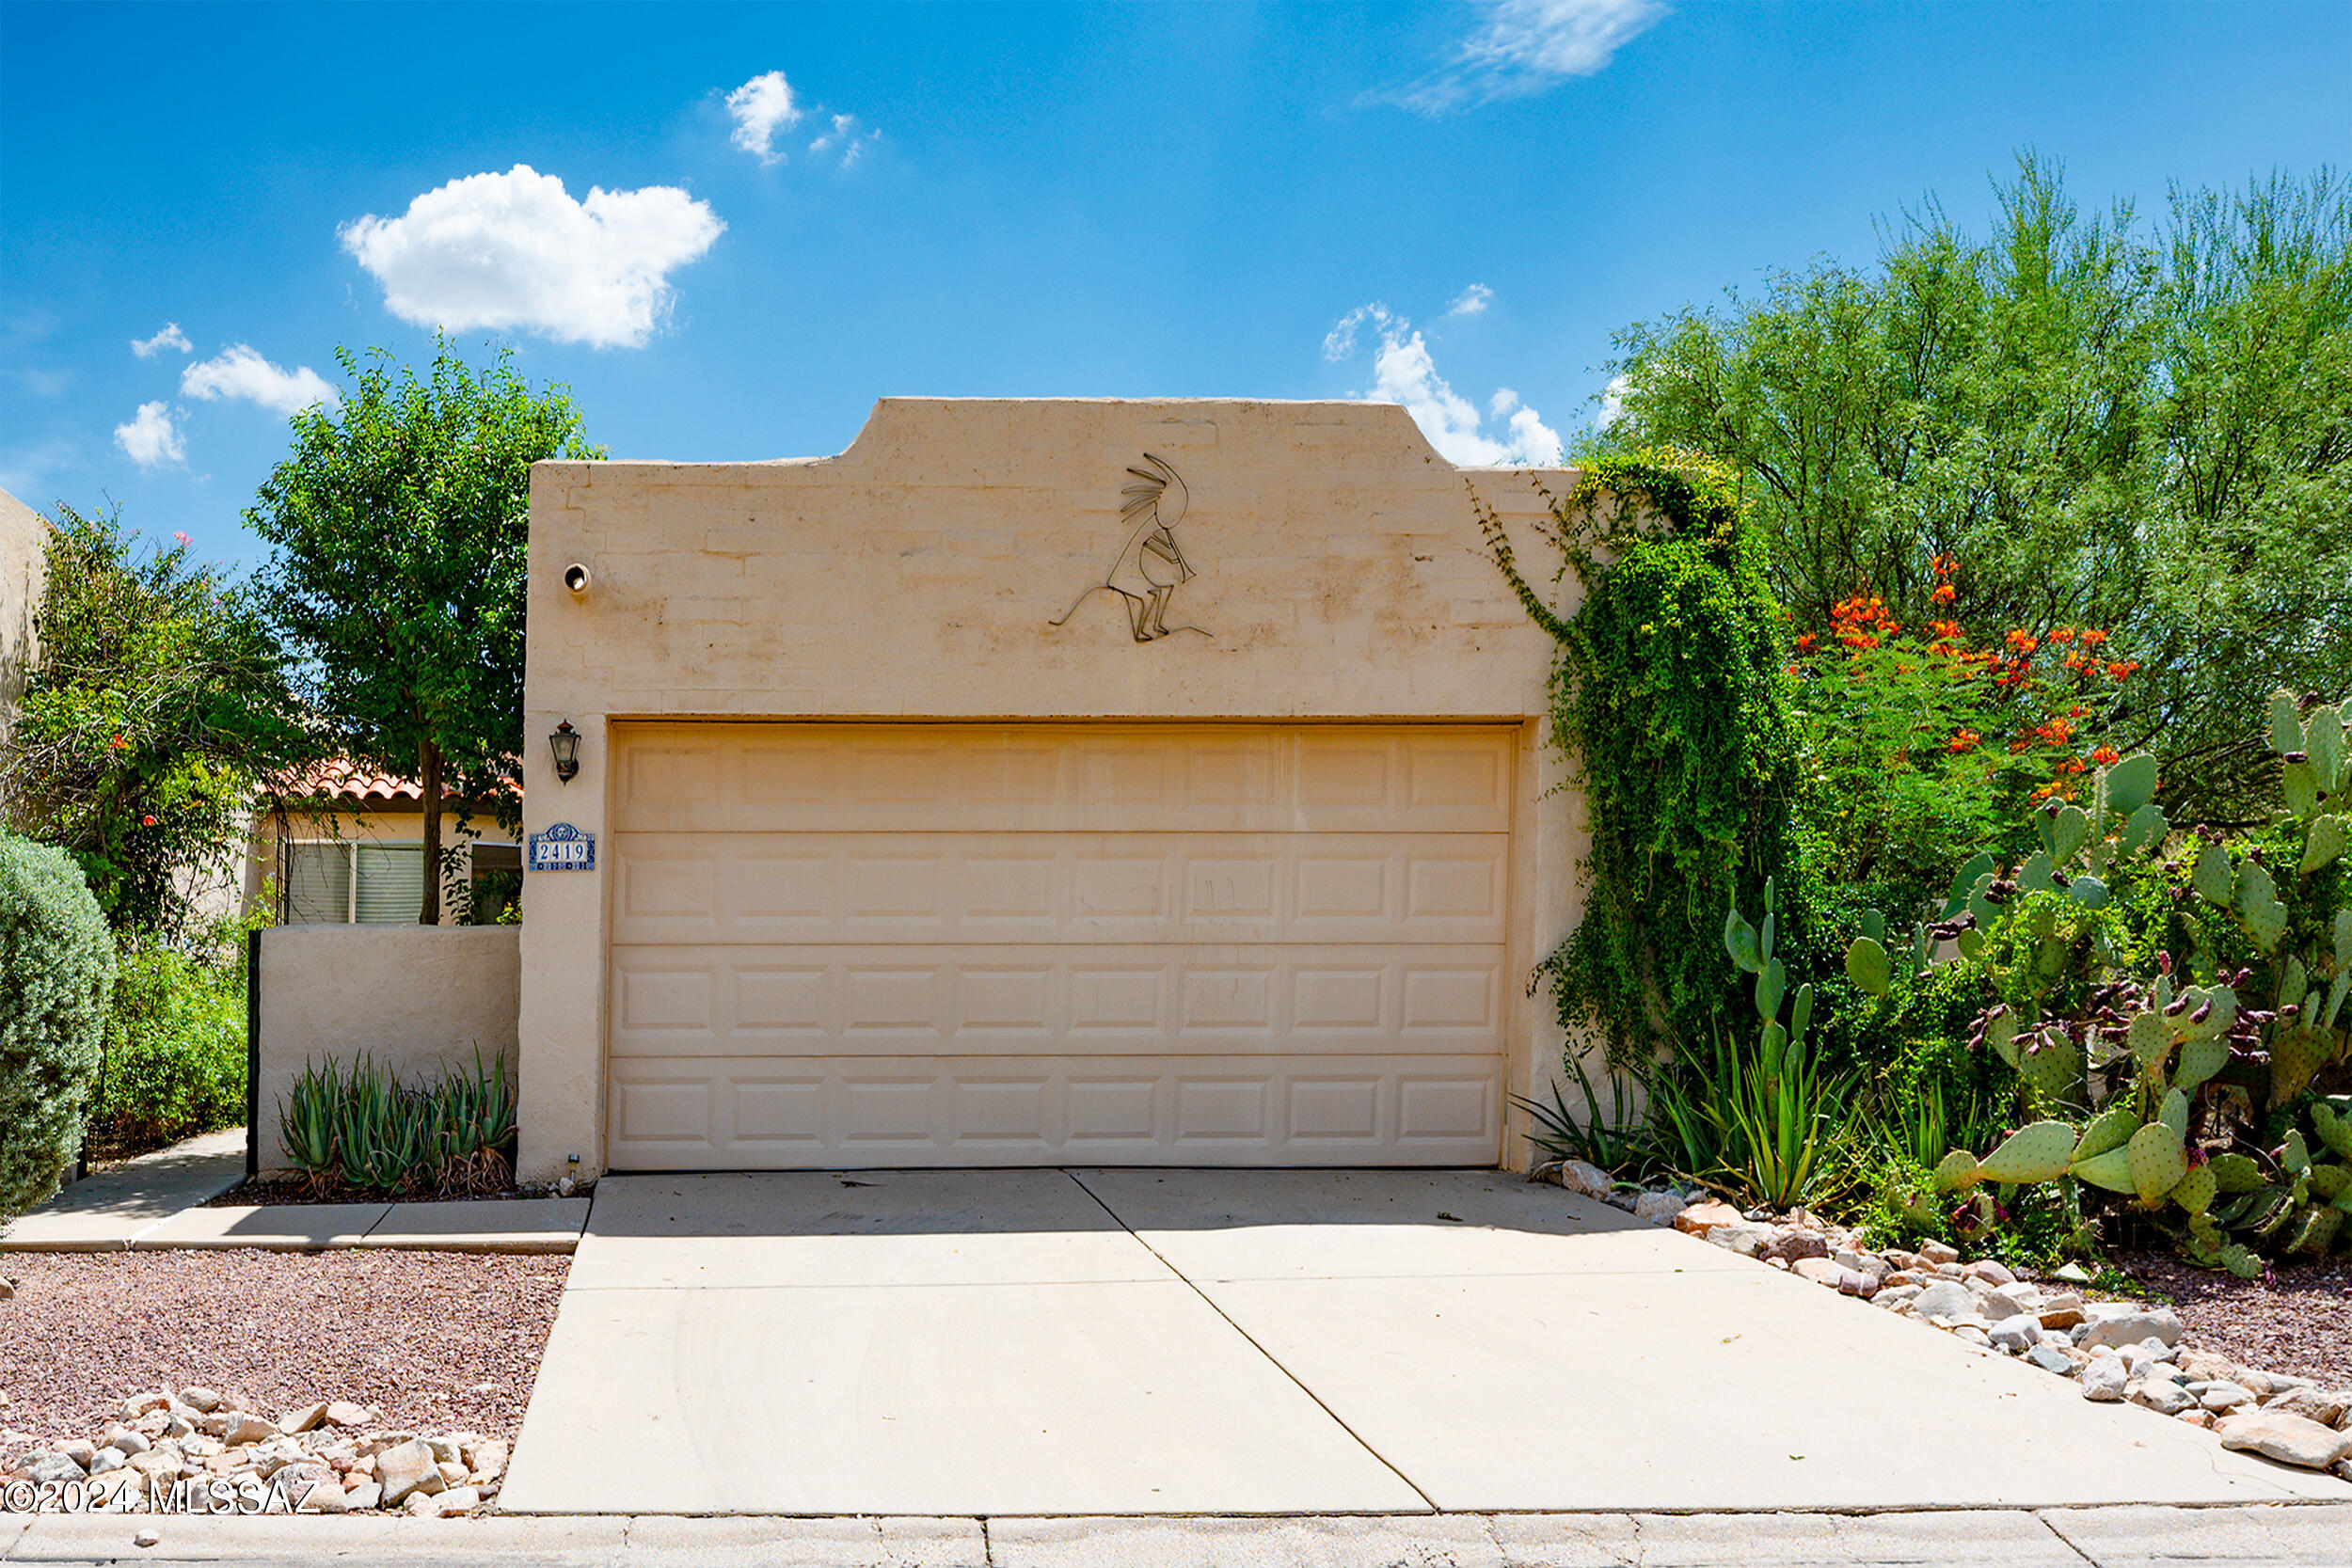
1927	743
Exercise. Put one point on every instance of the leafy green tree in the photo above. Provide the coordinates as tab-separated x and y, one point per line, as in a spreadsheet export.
157	710
2148	432
401	521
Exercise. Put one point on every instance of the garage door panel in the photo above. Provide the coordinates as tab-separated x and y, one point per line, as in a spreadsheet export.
831	778
966	944
888	888
852	1000
727	1113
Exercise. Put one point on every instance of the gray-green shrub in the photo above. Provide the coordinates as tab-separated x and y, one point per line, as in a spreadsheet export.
57	975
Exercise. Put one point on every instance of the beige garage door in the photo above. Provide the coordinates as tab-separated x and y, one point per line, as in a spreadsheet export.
1038	944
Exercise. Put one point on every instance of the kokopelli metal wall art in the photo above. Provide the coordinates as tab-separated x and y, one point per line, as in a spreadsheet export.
1151	565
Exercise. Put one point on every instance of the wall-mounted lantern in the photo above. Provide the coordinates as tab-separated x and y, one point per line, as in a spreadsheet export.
564	743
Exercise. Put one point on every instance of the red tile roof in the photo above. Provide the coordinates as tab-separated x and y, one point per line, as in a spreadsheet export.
350	783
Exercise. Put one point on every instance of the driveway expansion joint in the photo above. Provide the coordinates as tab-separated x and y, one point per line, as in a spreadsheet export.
1271	1358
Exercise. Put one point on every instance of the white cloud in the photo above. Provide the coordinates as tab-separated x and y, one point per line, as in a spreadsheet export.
1472	301
760	109
171	336
239	371
1526	46
1404	372
150	438
515	250
1339	342
1611	404
847	137
1534	441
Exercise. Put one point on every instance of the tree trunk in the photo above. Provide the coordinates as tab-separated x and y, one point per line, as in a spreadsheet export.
429	788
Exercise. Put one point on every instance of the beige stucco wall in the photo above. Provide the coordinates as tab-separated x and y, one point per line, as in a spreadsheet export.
1341	567
24	562
413	998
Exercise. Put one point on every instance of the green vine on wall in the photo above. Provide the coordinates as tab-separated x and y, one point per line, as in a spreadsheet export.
1670	696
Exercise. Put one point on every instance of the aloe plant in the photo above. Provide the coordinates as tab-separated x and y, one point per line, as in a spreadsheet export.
357	1122
306	1119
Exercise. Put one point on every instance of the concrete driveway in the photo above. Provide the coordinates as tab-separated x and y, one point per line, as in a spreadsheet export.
1147	1341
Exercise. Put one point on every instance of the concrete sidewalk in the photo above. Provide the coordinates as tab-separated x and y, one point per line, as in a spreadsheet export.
2275	1537
103	1212
1274	1342
532	1225
156	1203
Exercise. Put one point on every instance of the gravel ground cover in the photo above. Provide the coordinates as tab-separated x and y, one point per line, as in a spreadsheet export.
430	1340
2300	1323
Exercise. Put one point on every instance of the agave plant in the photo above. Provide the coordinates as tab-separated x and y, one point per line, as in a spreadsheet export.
1617	1141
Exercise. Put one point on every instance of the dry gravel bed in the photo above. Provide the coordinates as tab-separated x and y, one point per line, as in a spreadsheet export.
433	1340
2300	1323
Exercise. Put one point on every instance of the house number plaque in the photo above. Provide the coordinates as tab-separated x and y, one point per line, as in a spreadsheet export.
563	847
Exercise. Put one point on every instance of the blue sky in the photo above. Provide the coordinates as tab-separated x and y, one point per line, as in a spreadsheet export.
806	208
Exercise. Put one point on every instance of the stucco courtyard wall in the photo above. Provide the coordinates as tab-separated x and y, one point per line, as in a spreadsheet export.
411	998
24	576
1343	575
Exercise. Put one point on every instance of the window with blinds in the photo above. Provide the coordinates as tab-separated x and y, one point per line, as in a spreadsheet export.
318	884
390	883
338	884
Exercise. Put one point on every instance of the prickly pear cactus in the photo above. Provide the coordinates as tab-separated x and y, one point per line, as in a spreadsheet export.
2053	1064
2211	1094
2111	1129
2157	1161
1867	966
2111	1170
2335	1130
1957	1173
2236	1173
2034	1153
2199	1061
2198	1189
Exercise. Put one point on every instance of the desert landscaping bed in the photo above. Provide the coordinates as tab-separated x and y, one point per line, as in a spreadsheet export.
425	1340
2297	1321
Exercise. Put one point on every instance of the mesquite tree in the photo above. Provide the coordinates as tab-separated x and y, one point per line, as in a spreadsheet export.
401	521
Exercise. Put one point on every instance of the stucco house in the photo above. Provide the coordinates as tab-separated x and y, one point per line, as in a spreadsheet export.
23	574
1039	782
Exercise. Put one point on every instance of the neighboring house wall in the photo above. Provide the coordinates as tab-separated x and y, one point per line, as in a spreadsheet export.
23	575
414	1000
362	864
1342	572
